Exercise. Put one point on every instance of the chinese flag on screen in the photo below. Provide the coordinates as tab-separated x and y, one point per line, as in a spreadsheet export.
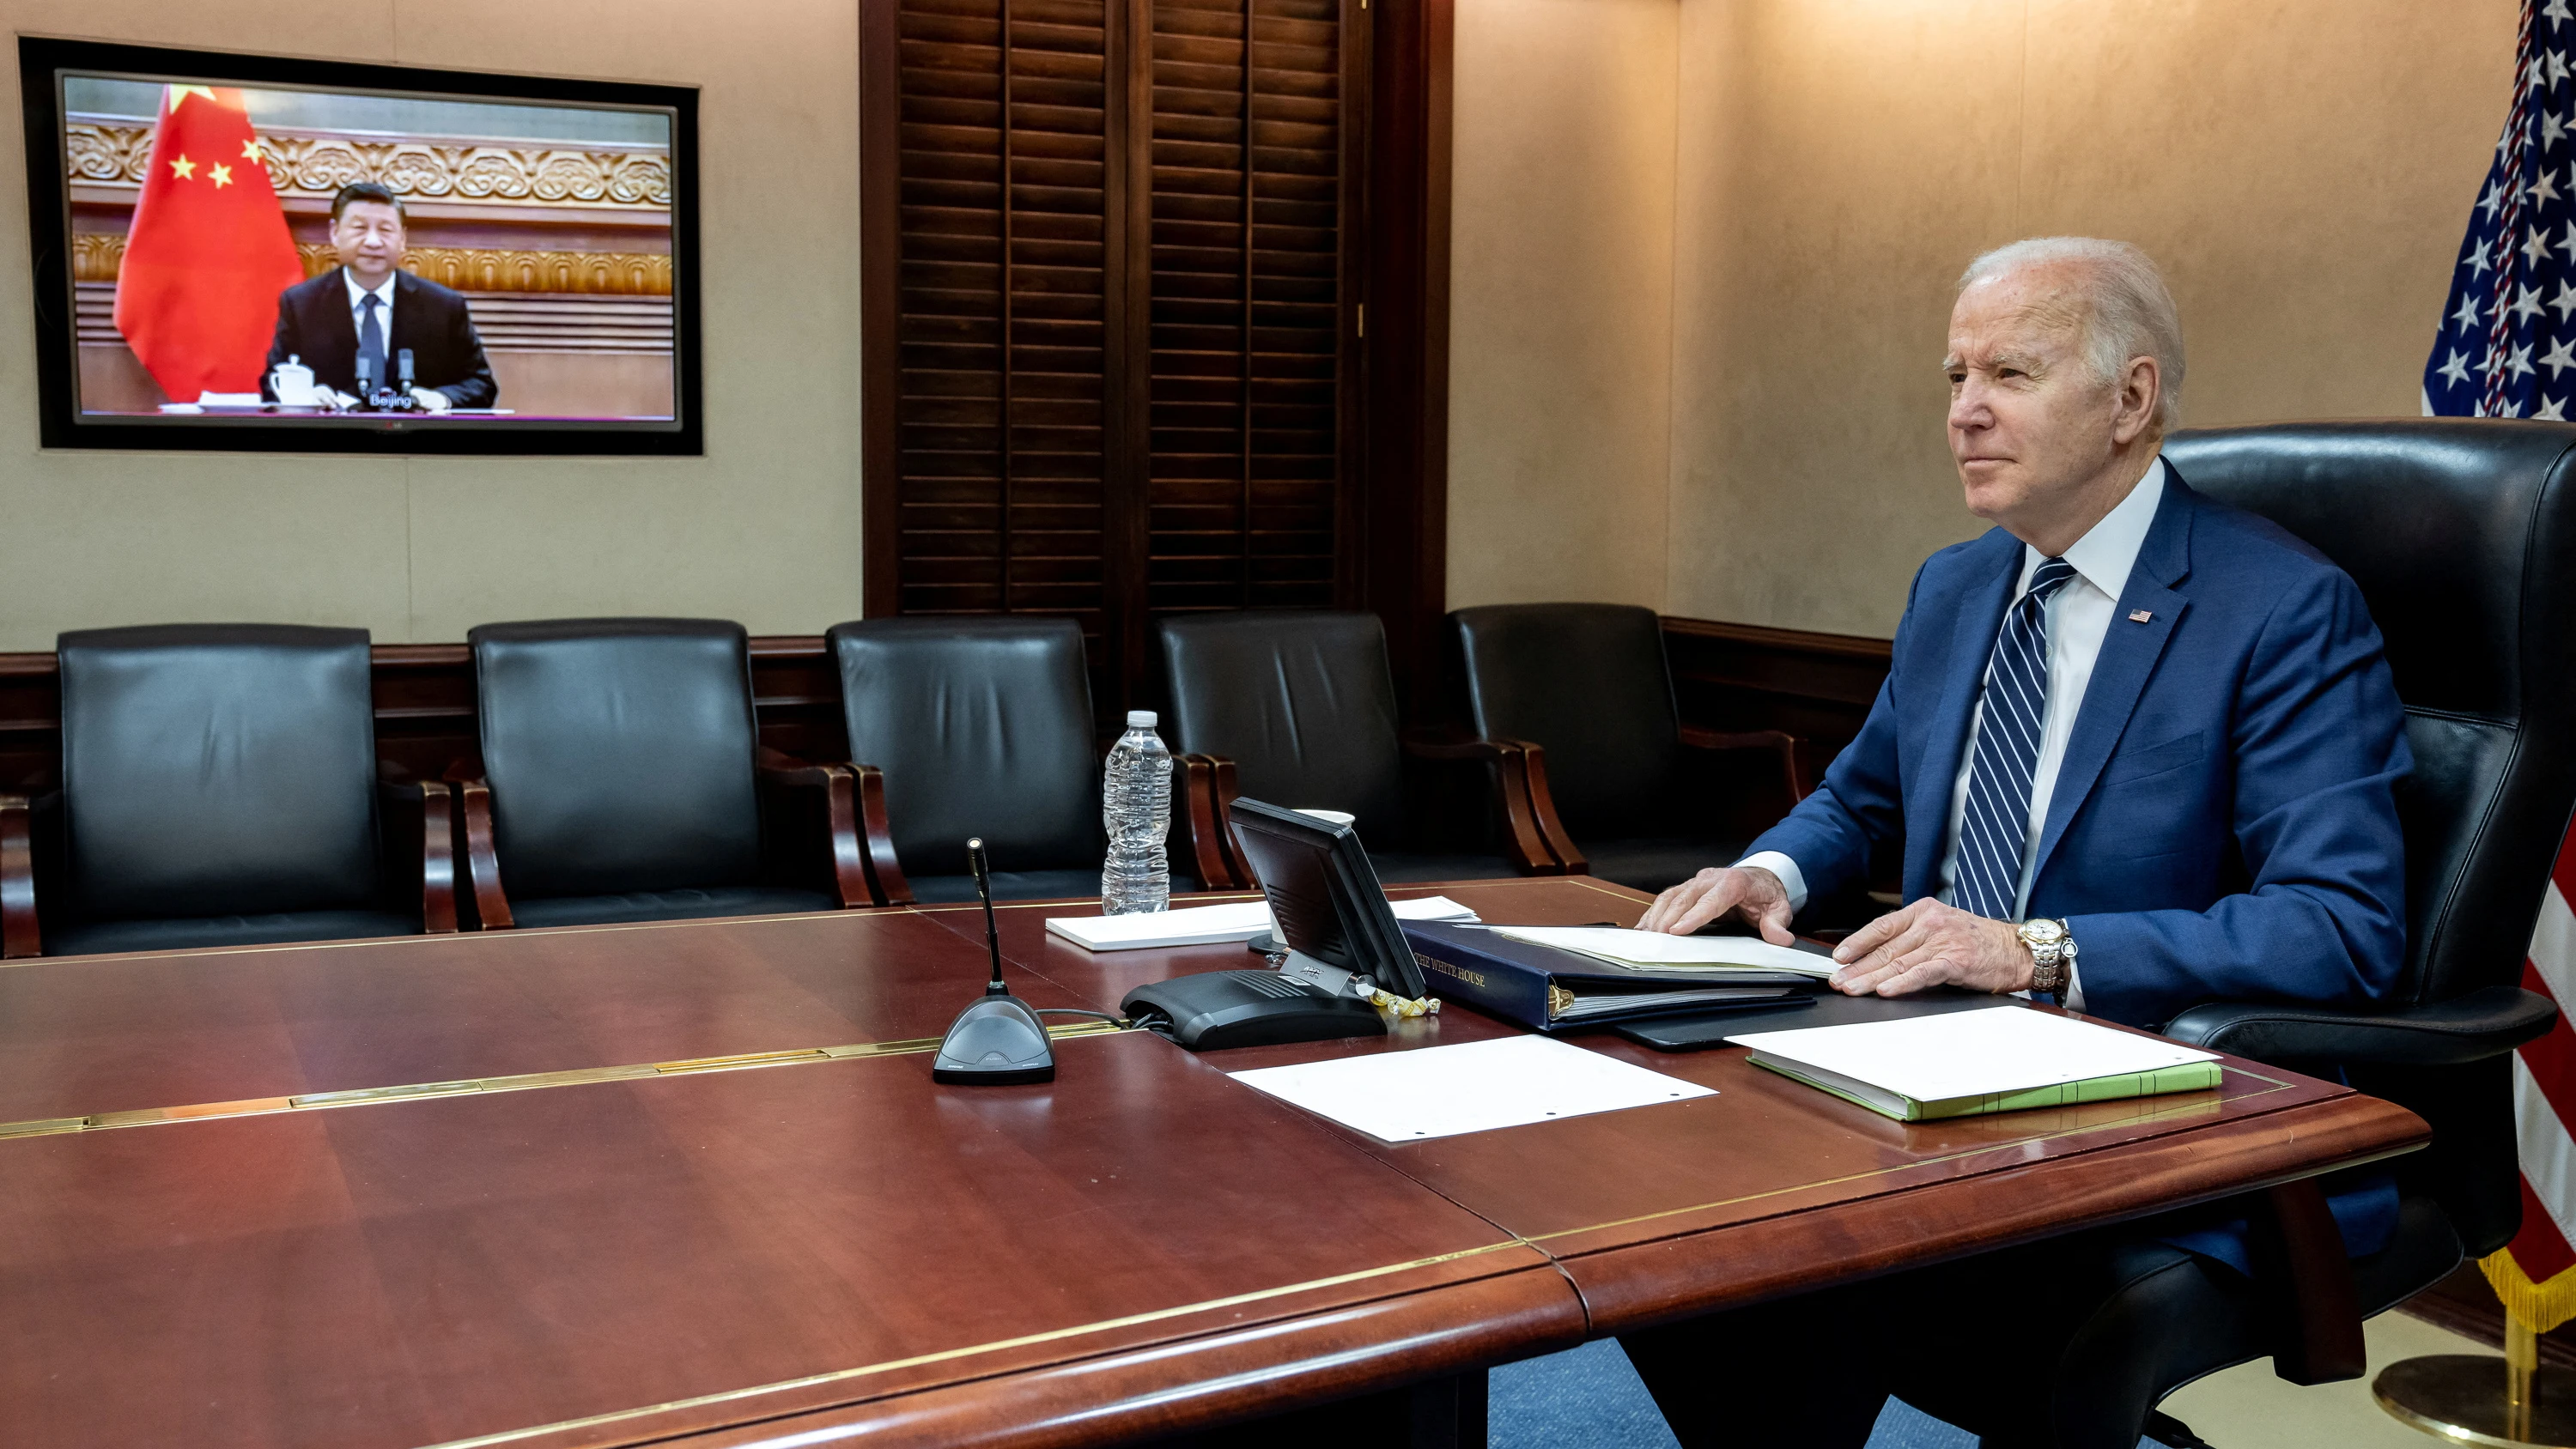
208	253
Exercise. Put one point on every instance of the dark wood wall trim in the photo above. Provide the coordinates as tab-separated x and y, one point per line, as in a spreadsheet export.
880	298
1405	344
1728	676
1818	687
424	696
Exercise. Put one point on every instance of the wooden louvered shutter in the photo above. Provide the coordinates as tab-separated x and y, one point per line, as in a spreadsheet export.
1248	369
1003	389
1121	375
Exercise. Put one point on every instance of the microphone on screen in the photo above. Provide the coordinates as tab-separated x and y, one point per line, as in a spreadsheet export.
997	1041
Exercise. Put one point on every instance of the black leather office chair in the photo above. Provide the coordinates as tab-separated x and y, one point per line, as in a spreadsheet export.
622	779
220	788
964	727
2462	535
1622	789
1297	707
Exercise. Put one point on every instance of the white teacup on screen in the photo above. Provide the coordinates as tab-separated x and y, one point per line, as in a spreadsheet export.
1331	817
292	384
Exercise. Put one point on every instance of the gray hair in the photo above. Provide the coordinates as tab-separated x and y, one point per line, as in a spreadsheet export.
2127	311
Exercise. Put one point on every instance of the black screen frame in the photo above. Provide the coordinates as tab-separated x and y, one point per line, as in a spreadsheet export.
1301	861
61	425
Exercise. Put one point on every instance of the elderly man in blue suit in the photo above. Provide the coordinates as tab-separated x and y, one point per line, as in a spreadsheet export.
2141	751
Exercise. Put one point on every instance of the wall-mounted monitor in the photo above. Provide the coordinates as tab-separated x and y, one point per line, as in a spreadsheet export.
262	253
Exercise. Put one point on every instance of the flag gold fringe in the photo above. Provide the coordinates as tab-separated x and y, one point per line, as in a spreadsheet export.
2539	1307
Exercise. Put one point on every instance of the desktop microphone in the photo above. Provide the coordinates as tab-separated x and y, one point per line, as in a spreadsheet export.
402	363
997	1041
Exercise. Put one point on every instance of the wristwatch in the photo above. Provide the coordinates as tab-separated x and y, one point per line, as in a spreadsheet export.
2052	955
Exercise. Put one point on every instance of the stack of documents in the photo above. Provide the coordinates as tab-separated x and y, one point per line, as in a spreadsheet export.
1212	925
1967	1062
1663	955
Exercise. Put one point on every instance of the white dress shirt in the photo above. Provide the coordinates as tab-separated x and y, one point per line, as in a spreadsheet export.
2079	617
384	295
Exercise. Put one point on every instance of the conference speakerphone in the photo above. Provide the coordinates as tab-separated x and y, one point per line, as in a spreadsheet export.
1343	946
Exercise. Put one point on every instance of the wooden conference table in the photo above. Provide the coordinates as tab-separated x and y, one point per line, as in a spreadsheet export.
692	1181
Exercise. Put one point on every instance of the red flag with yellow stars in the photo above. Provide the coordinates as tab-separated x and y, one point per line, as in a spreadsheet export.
208	251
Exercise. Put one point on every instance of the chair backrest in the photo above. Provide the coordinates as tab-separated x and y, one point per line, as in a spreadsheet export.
1587	682
217	769
1303	702
982	727
620	753
2462	536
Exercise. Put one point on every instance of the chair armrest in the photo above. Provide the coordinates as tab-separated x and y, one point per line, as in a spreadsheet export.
834	789
1780	742
422	813
1206	821
482	862
20	935
1535	841
2449	1033
885	872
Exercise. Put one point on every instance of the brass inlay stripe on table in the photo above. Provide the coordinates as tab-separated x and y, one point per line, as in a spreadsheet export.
945	1355
471	1086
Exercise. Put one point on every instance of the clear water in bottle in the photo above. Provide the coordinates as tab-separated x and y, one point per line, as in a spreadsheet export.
1136	806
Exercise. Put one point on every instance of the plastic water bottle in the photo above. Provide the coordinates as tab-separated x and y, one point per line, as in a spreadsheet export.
1136	806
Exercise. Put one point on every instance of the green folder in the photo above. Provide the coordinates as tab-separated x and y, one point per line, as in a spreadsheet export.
2187	1077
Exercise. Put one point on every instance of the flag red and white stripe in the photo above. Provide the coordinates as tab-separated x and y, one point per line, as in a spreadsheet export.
2535	1274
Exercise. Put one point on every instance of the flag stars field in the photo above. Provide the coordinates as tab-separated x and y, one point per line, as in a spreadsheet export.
2513	293
223	176
183	168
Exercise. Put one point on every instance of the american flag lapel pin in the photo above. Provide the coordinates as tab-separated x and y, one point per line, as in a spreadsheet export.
2140	616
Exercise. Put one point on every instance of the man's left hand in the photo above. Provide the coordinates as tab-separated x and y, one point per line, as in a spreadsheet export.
430	398
1930	944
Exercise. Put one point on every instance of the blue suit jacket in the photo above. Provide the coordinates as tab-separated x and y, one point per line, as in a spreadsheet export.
2224	825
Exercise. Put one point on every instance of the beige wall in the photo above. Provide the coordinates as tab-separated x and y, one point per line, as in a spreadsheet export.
2301	168
1561	293
764	528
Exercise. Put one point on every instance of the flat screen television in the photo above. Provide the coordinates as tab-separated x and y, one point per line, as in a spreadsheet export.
262	253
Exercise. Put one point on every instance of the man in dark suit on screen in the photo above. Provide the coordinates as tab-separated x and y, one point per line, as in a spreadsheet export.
369	307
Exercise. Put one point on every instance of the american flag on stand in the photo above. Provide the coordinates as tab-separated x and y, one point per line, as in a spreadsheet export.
2507	349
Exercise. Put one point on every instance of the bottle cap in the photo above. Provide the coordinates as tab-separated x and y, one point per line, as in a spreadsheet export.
1140	719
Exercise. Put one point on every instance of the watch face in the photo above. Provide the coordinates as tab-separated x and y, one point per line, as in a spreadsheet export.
2041	933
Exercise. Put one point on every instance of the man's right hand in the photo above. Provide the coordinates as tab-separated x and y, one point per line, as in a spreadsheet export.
1749	893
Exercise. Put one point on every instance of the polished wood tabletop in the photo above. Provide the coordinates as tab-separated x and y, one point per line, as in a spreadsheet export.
617	1185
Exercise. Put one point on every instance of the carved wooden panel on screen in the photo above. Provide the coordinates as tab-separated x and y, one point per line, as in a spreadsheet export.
1000	408
1246	403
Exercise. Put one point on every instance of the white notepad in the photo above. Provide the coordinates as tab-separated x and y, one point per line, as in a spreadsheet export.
1513	1081
1971	1053
1654	949
1211	925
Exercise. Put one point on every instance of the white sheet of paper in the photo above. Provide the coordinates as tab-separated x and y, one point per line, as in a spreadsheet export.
1965	1053
1655	948
1472	1087
1209	925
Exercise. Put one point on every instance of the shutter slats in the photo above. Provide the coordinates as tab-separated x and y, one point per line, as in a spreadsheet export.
1005	354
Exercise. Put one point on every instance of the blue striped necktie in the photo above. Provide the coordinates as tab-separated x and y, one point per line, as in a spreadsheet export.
1996	828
